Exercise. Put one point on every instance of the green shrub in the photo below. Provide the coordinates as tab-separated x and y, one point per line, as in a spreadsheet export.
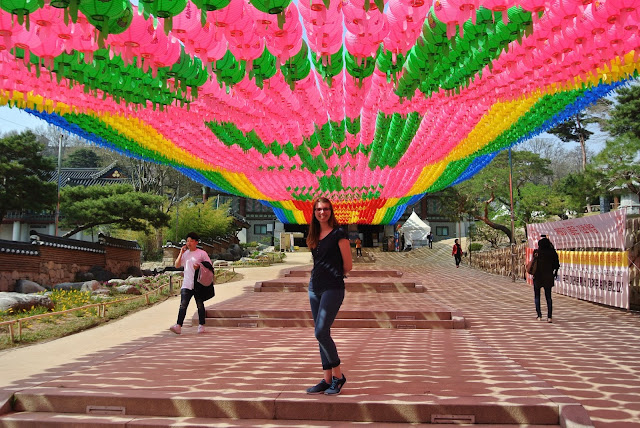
475	246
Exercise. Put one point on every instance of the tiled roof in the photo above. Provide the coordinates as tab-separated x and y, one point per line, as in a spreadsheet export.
110	174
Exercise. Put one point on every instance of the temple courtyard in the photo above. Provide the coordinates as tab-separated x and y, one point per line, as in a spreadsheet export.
421	342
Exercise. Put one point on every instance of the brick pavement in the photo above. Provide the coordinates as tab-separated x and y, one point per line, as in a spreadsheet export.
504	367
590	353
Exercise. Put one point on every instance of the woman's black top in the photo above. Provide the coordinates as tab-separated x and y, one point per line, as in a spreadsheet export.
548	264
328	268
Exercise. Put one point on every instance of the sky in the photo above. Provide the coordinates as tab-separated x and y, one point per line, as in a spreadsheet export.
14	119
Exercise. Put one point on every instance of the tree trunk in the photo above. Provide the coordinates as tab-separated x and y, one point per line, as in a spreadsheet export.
584	153
496	226
582	144
80	229
485	219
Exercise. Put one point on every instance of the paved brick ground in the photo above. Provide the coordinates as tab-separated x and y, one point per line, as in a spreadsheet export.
590	353
504	358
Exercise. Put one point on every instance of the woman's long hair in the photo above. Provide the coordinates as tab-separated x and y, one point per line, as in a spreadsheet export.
314	227
544	244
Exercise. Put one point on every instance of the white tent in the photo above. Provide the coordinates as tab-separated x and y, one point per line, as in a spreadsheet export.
415	231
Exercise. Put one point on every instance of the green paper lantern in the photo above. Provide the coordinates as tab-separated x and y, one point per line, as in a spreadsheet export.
121	23
297	67
165	8
101	13
328	66
263	68
272	7
21	8
228	70
359	67
210	5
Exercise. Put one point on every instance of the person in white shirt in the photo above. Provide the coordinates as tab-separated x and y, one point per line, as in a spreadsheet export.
192	258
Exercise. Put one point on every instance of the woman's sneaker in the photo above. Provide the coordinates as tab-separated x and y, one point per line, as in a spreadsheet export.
336	386
200	329
319	388
176	328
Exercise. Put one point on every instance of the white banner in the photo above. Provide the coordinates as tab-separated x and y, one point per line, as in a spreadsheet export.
596	276
596	231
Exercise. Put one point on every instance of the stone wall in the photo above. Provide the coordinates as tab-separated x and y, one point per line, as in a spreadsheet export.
50	260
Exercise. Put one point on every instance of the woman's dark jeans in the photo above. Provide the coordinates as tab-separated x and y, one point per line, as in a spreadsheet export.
185	298
324	308
547	295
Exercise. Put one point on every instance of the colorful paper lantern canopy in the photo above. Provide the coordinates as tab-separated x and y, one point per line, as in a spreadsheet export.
369	103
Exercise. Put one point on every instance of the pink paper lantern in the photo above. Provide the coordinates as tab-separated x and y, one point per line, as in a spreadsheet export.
533	5
8	29
221	18
186	25
28	41
141	32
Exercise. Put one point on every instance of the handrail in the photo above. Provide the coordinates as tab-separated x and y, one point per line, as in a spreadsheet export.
102	308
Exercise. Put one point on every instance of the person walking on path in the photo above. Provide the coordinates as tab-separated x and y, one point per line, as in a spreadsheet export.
545	273
430	240
193	260
456	252
358	247
332	260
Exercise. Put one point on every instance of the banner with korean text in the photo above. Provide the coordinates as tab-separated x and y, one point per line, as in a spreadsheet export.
596	276
596	231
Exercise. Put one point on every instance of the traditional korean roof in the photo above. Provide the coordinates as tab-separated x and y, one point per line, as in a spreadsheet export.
111	174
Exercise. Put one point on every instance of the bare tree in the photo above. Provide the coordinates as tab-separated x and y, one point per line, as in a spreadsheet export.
563	161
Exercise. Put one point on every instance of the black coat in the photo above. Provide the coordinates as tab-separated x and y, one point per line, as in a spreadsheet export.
200	291
547	268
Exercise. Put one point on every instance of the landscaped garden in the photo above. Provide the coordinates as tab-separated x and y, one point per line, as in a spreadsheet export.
75	310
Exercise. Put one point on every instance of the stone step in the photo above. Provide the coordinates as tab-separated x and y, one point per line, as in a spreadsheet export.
244	375
78	420
365	310
249	322
384	273
128	404
344	313
357	284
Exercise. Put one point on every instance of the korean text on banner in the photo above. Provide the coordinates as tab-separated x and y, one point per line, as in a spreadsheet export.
597	231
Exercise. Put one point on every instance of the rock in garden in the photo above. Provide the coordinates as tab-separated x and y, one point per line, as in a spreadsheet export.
128	289
101	292
18	301
68	286
84	276
134	271
115	282
25	286
138	280
90	285
100	274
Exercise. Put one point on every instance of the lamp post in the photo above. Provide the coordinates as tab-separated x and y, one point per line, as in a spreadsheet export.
59	183
513	241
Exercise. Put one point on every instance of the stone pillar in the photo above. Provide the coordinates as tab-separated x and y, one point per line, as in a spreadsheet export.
15	236
604	204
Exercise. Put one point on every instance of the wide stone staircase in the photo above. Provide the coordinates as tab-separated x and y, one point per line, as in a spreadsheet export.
374	299
407	357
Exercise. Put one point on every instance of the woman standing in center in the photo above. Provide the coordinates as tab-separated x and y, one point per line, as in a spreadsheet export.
332	260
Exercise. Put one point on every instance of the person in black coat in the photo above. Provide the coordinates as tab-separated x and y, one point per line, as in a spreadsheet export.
545	275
